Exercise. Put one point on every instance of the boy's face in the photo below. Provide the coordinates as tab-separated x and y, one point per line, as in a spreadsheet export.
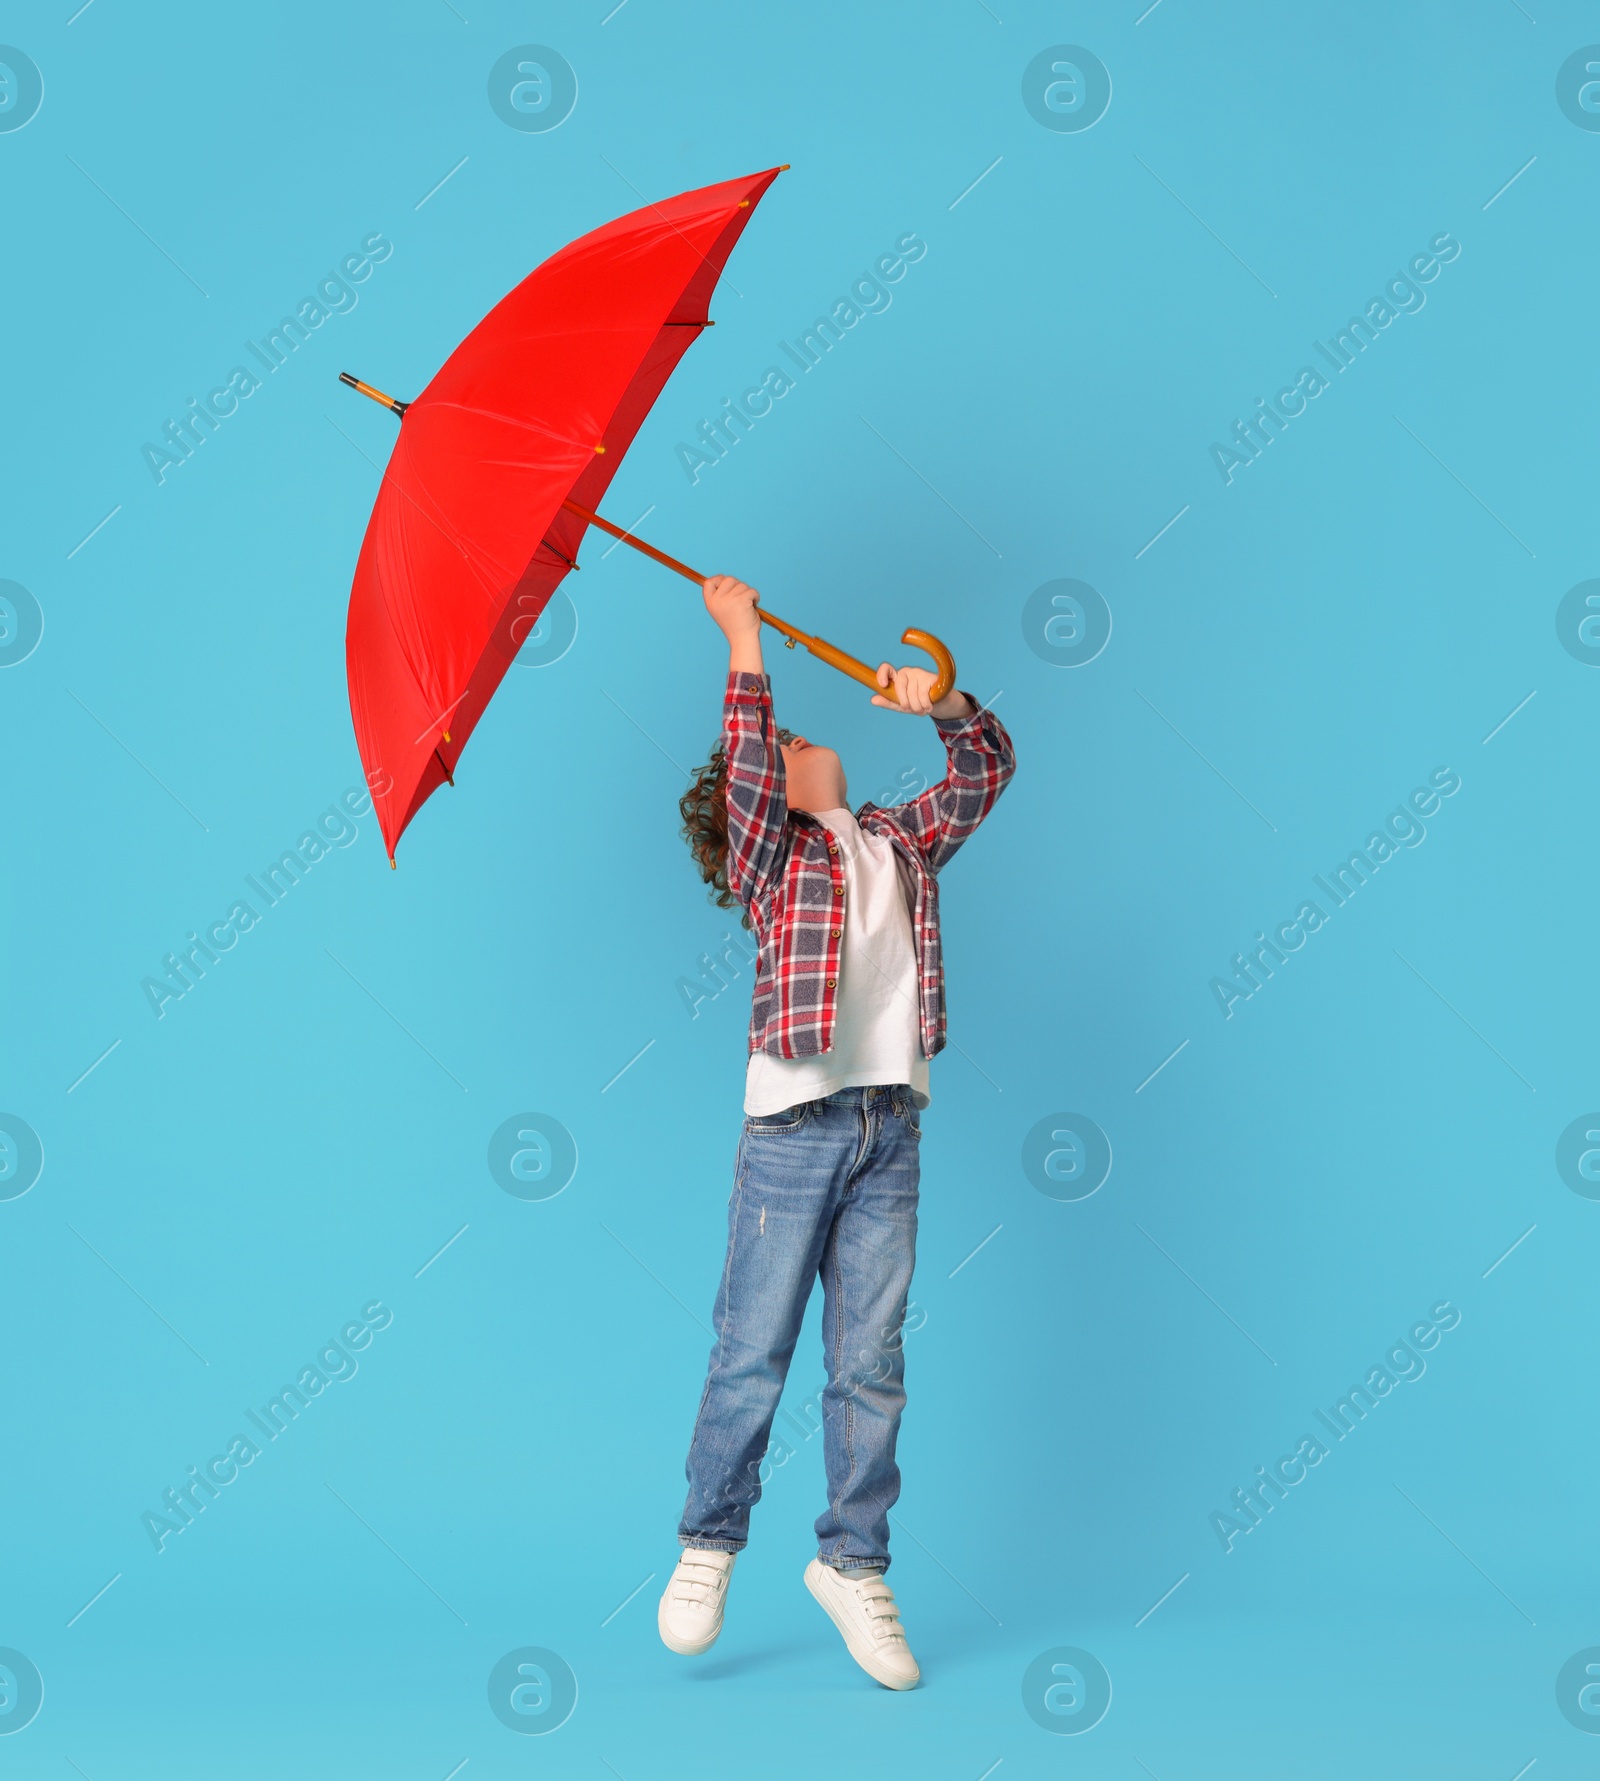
813	775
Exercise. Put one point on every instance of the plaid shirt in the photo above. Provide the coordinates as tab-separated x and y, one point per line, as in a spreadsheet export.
784	866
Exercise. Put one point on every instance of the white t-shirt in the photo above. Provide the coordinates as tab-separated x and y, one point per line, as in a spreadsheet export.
876	1029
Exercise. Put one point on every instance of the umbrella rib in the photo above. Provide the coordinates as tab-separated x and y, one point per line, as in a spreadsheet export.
651	205
491	414
440	525
446	532
500	567
434	722
432	697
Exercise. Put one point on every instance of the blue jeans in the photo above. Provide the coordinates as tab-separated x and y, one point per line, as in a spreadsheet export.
826	1187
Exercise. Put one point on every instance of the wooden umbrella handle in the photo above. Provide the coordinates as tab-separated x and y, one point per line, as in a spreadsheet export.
818	646
847	664
942	657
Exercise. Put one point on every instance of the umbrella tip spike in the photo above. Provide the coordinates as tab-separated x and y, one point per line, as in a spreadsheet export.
391	862
395	406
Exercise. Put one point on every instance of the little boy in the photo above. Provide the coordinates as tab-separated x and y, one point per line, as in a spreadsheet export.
849	1008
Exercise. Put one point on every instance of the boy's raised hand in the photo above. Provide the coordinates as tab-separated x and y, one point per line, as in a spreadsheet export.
733	606
911	687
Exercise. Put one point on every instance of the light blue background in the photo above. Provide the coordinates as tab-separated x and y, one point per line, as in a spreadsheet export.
1297	1186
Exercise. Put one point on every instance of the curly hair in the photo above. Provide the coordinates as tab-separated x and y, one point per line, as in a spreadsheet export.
704	809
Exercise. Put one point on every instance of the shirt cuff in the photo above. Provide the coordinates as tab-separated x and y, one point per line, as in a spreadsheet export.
748	689
950	726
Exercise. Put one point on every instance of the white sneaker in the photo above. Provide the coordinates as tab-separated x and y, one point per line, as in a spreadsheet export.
690	1615
865	1613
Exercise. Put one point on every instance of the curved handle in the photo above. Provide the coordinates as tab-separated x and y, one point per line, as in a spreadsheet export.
947	662
857	670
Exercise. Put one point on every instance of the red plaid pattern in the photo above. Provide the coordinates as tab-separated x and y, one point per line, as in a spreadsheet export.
784	866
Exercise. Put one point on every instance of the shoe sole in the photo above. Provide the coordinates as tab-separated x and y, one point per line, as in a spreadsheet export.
866	1660
684	1649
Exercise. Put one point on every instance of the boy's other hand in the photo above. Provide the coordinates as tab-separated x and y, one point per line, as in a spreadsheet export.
912	687
733	606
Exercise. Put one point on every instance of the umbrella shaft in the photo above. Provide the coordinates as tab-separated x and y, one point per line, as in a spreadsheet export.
822	650
638	544
694	575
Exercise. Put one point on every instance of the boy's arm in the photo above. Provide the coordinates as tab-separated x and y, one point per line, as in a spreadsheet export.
758	806
981	762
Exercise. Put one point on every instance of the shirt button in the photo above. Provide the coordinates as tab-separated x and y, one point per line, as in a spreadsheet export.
836	933
830	983
838	890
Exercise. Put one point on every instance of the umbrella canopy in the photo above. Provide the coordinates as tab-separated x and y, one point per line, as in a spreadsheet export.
469	536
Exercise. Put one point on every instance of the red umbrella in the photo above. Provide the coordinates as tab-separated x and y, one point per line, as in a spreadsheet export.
469	535
499	465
